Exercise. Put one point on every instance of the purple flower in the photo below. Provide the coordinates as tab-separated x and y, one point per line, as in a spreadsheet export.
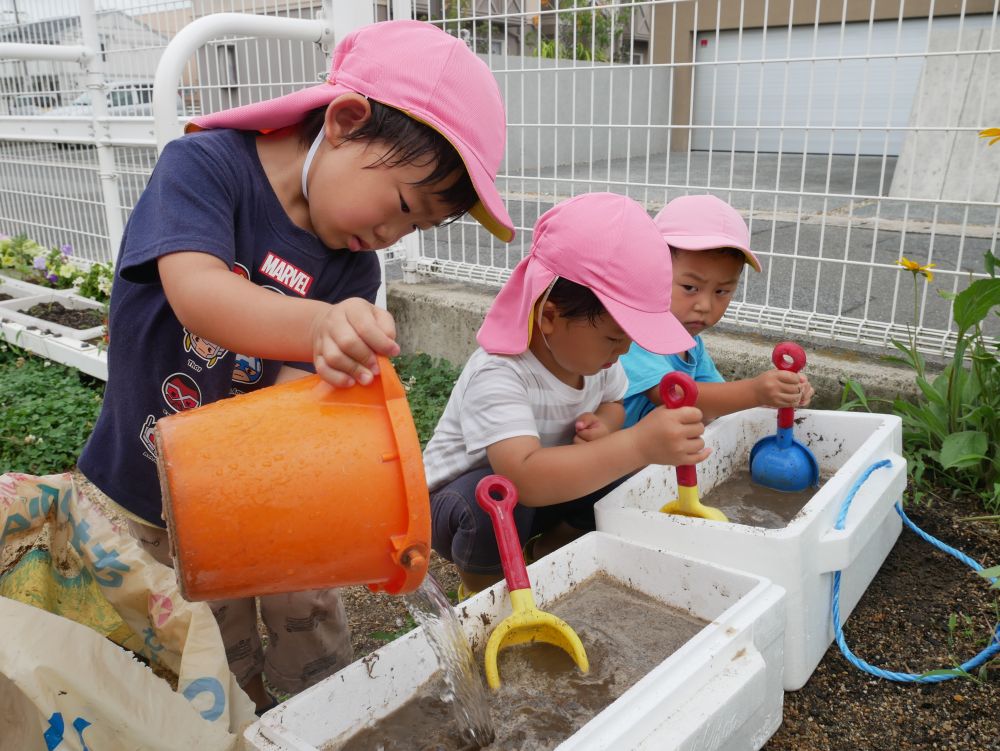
52	278
66	250
39	263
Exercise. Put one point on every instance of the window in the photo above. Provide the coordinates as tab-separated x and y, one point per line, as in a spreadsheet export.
226	59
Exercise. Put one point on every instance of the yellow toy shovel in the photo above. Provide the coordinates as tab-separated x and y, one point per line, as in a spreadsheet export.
497	496
687	503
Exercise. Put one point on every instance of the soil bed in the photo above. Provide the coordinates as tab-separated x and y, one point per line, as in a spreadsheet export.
4	297
900	624
56	312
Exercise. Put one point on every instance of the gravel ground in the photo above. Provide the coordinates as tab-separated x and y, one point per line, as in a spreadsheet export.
900	624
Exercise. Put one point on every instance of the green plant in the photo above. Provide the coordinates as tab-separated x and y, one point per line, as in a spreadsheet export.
586	30
949	429
55	267
428	383
46	412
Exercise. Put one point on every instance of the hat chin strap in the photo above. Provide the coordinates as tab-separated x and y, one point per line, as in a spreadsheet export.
309	160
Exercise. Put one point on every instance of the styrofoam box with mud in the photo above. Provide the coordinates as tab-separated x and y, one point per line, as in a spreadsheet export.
14	310
802	556
720	690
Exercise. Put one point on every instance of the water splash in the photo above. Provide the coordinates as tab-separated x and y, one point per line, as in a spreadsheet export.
465	687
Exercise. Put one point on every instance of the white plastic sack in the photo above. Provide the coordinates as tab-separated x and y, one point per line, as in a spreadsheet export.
65	683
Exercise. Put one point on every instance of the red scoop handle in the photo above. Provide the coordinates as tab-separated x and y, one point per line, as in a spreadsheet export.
497	496
686	473
791	357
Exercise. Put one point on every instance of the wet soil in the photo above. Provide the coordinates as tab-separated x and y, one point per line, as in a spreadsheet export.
56	312
4	297
900	624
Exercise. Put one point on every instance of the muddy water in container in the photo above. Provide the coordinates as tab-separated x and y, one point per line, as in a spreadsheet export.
543	698
745	502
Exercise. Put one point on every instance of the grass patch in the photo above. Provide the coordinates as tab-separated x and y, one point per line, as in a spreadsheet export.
428	384
47	411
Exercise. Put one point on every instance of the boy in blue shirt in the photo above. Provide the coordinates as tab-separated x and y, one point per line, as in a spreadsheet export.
709	246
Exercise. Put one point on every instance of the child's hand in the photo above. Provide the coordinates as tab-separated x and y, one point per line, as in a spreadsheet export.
780	388
347	336
671	436
807	391
590	427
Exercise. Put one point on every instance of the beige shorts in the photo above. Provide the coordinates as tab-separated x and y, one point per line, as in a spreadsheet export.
307	633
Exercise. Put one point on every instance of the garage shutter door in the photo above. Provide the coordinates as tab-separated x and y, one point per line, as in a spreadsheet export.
772	103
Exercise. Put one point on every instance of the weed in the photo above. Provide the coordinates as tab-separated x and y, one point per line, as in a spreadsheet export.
428	383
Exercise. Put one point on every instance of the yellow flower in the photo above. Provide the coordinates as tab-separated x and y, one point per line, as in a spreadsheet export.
992	133
916	268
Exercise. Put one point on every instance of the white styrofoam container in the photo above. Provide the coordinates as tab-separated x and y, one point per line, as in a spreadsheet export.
802	556
13	310
720	690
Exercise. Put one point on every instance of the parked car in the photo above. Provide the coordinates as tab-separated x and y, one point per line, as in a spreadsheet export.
34	103
125	99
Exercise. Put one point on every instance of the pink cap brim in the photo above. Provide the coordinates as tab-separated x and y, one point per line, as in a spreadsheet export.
660	333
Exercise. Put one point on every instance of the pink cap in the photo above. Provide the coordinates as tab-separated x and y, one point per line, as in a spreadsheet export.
704	223
415	67
603	241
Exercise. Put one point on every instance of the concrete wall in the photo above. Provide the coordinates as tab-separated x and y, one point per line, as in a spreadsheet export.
955	91
441	319
558	94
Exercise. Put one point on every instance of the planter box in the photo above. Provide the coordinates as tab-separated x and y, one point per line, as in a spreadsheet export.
720	690
802	556
13	310
17	288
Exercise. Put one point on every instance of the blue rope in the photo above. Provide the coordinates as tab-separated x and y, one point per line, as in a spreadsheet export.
987	654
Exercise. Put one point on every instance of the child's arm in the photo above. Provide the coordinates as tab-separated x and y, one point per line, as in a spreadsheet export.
608	418
340	339
772	388
545	476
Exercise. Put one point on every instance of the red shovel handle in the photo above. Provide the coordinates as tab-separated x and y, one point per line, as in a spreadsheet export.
791	357
686	474
497	496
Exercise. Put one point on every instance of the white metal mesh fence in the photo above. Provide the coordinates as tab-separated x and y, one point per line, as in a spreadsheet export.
844	132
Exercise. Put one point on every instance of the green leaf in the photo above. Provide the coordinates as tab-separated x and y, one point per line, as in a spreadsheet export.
930	392
990	262
965	449
973	303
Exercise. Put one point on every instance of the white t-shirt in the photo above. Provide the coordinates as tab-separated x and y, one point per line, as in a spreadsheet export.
503	396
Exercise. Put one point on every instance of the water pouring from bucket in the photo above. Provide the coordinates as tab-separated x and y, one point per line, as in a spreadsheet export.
497	496
779	461
687	502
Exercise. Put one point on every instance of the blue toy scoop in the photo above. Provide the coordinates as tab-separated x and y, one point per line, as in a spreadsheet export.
779	461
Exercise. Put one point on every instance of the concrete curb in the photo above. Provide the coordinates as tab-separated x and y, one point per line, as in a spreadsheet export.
441	319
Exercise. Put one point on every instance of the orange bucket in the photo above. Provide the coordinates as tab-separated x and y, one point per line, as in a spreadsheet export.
294	487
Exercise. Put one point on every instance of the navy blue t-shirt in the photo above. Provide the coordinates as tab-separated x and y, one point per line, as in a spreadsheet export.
208	193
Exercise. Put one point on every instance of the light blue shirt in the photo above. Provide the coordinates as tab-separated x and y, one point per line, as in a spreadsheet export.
645	369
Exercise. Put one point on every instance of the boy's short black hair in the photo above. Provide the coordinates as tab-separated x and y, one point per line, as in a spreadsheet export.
409	142
573	300
731	252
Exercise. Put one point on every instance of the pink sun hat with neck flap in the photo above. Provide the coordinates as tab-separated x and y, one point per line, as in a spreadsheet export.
603	241
704	223
421	70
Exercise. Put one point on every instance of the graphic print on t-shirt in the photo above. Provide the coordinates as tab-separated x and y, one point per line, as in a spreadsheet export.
181	392
248	369
148	437
205	349
286	273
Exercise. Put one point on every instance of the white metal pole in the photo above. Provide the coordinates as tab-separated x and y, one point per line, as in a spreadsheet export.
201	30
94	69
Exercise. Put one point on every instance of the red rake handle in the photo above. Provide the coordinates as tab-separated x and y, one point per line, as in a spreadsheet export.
497	496
686	474
791	357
